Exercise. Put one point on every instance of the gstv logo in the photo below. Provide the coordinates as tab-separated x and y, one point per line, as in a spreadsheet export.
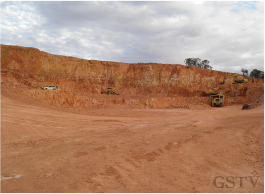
235	181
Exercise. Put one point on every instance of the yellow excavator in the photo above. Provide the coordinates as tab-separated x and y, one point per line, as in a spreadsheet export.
216	97
216	90
236	79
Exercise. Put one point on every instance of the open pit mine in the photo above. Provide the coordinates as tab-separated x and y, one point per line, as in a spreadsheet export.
76	125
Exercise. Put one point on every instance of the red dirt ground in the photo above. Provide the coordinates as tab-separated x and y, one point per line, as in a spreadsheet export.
55	149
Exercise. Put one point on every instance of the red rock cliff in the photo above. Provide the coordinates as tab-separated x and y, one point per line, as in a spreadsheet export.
35	68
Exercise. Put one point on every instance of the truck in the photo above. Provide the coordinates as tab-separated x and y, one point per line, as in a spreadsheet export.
217	100
49	88
109	91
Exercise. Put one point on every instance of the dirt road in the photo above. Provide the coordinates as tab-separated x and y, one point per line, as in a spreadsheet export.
154	150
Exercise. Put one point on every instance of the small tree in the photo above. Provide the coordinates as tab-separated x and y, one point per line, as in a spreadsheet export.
188	61
197	62
192	61
244	71
205	64
257	74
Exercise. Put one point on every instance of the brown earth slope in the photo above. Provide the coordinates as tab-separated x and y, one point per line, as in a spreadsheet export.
141	85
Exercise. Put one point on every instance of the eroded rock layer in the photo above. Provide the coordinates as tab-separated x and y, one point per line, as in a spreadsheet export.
151	85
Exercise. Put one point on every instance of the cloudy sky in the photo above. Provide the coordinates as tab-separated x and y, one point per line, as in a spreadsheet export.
227	33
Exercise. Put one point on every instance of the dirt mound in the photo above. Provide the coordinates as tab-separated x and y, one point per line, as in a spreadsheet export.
141	85
257	99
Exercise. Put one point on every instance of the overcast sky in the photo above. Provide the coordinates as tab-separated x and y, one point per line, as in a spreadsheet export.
228	34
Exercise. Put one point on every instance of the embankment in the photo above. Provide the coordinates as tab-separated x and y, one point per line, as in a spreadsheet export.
150	85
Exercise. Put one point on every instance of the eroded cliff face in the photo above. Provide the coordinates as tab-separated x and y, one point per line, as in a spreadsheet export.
81	81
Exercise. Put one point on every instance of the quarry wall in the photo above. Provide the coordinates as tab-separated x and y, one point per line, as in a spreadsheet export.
79	77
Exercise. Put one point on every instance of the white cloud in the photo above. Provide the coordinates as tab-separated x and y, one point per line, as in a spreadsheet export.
228	34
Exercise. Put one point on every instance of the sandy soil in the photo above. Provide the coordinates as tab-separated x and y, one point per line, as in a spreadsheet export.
48	149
